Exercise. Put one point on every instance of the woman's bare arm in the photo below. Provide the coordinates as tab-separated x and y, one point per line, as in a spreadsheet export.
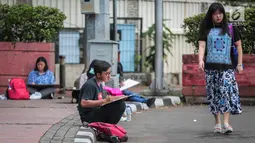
201	50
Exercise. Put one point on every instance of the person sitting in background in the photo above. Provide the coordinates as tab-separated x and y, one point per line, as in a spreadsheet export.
87	74
135	96
91	99
83	78
80	80
78	83
41	75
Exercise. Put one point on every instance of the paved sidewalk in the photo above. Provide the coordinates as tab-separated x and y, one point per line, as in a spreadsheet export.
26	121
188	124
63	131
86	135
50	121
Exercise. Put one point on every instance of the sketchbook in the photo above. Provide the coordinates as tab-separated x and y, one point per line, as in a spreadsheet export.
128	83
43	85
117	98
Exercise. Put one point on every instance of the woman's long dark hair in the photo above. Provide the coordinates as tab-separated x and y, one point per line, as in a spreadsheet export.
89	75
207	22
41	59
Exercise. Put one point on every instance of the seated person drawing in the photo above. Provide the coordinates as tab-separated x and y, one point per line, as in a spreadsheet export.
135	97
91	98
41	75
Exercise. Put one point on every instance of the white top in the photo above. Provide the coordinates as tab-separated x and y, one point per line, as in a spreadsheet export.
83	79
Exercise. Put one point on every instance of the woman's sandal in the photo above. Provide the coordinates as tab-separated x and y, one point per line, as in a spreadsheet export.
217	129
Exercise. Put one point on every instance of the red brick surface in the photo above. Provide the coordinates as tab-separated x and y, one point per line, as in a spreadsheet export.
19	60
22	133
193	80
191	75
27	121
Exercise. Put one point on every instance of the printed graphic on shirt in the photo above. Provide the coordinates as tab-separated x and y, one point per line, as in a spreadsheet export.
99	96
218	47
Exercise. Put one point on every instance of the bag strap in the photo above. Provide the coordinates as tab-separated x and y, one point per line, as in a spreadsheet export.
231	30
120	129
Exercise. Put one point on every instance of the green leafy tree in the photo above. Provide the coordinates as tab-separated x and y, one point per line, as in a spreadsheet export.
238	2
191	29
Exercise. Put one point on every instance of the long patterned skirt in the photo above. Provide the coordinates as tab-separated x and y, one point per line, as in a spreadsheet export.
222	91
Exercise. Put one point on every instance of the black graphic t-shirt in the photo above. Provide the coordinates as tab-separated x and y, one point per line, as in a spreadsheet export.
90	91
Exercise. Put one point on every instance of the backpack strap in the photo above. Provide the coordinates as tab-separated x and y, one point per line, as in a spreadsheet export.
231	31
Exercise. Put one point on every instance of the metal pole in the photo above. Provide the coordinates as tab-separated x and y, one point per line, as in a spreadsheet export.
141	44
159	43
62	73
114	20
85	47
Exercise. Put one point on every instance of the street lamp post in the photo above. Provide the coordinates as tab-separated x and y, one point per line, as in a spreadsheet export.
159	44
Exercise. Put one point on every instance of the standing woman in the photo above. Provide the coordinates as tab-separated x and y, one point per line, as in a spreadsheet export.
216	59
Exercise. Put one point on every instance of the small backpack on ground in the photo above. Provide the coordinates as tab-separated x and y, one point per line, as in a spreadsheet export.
109	132
17	90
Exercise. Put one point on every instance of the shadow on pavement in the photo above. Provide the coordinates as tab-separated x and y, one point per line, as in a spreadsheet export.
235	134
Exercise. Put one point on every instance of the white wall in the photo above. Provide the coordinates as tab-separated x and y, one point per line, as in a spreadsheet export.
174	12
72	72
10	2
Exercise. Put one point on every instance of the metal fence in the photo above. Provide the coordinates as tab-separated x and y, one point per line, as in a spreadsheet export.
129	35
129	29
69	43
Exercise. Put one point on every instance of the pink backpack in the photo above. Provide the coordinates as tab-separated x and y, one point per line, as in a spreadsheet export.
109	132
18	90
113	91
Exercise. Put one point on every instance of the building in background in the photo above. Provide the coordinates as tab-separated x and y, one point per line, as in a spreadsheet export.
135	17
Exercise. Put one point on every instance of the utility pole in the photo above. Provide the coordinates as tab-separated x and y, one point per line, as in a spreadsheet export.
97	36
114	5
159	44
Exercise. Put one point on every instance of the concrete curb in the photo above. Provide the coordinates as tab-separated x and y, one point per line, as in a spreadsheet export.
87	135
63	131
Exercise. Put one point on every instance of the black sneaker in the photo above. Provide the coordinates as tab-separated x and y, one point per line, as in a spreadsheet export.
150	101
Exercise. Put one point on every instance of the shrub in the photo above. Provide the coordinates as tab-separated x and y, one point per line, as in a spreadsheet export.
25	23
167	44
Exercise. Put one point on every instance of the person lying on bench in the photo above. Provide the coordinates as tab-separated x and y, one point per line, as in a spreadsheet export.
41	75
91	98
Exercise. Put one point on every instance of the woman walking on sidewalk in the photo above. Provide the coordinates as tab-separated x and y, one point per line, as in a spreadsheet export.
217	60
